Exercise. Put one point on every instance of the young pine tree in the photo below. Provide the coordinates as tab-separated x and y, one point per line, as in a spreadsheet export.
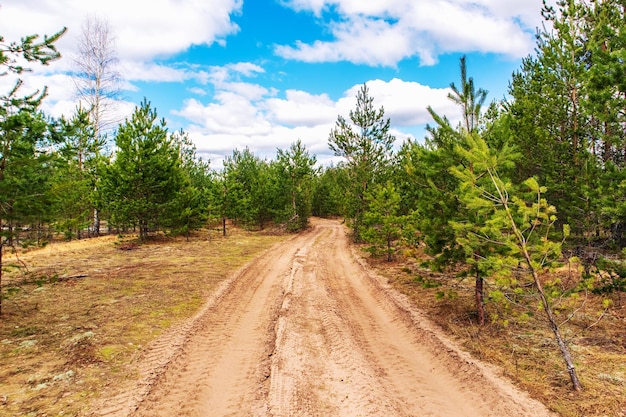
365	143
145	175
509	229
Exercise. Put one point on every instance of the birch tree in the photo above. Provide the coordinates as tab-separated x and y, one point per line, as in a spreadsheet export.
96	76
98	83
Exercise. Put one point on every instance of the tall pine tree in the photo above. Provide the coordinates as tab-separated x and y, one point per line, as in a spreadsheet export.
366	145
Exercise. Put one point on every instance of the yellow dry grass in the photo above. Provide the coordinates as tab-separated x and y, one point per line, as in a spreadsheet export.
526	351
84	309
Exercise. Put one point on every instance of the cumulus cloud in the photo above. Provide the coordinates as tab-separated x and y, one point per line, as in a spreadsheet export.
150	71
360	40
197	91
300	108
383	32
267	122
406	102
225	108
145	29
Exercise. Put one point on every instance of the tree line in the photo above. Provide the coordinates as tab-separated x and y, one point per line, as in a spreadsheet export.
502	193
516	183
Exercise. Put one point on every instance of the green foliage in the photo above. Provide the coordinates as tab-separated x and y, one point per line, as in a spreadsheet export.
611	276
510	227
246	181
31	49
295	168
429	189
429	195
467	98
189	209
505	222
23	163
382	225
328	191
25	174
567	111
75	176
366	144
146	173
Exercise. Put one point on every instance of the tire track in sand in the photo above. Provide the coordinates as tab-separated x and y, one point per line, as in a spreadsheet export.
348	345
307	329
217	363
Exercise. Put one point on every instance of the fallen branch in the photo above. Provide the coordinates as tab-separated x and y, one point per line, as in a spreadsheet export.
68	277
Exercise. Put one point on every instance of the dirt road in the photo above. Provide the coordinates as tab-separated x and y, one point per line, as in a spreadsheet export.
308	330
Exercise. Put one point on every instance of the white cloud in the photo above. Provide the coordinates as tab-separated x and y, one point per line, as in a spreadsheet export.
265	123
145	29
383	32
229	111
406	102
315	6
300	108
247	69
149	71
197	91
359	40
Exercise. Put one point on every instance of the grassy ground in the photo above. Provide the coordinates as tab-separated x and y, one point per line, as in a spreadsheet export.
80	311
526	350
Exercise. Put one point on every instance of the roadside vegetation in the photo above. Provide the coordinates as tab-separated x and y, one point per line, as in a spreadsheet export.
509	227
84	311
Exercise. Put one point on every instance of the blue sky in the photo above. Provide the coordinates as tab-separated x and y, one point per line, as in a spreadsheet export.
264	73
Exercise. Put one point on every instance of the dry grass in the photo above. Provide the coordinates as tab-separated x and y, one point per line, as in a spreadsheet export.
526	350
84	309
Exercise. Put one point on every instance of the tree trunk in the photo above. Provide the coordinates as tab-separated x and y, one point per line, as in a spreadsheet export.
565	353
143	230
1	267
224	226
480	303
96	222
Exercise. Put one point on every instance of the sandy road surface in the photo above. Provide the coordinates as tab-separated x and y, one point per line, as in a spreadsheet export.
308	330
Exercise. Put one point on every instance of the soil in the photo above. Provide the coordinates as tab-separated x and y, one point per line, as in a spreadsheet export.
308	329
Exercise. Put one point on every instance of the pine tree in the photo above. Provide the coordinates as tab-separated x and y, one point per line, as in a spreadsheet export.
382	223
245	189
18	115
509	228
145	175
427	166
296	173
189	210
552	127
366	145
328	195
76	173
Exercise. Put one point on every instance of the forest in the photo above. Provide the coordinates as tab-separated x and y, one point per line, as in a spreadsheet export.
518	187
